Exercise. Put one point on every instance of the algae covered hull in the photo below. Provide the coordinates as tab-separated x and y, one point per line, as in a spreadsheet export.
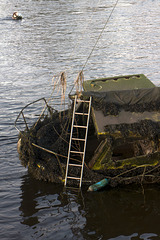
123	138
126	116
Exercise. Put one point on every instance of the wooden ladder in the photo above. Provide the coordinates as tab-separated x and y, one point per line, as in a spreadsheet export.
82	140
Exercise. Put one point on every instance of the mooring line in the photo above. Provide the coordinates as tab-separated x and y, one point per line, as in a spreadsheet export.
100	35
97	41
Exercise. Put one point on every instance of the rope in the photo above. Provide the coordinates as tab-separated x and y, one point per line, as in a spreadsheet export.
78	40
83	67
100	35
84	30
81	72
78	83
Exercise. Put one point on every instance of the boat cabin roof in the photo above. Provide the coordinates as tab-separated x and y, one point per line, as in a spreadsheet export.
118	83
121	90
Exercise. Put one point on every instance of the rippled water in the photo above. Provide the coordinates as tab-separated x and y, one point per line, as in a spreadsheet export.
55	36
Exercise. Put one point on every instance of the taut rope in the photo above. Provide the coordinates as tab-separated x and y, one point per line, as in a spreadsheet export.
96	41
100	34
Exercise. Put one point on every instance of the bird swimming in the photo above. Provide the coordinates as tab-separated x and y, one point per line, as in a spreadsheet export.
17	16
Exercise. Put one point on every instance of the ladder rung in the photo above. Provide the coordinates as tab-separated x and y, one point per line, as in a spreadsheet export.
74	177
78	113
83	139
79	139
73	188
79	100
75	165
79	126
77	152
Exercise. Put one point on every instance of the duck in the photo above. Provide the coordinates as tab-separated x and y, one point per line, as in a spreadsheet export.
17	16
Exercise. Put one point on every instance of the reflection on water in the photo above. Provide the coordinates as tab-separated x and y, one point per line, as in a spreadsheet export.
57	36
123	213
47	208
145	236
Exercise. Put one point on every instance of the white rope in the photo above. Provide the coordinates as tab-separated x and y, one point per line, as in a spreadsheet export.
85	29
100	35
82	36
97	41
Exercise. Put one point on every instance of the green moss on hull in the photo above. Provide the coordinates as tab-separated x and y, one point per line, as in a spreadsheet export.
150	160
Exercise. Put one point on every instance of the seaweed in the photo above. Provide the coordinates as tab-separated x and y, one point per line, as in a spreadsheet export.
44	148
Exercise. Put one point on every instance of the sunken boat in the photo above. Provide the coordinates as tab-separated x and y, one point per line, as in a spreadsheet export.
111	130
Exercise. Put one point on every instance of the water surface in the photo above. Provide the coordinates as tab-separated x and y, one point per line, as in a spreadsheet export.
56	36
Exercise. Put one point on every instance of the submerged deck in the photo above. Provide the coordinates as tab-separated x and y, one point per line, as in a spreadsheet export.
123	118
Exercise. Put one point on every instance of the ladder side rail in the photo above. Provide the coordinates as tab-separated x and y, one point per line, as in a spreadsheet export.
73	117
89	108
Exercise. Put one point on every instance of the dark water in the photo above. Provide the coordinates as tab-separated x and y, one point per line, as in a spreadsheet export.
55	36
